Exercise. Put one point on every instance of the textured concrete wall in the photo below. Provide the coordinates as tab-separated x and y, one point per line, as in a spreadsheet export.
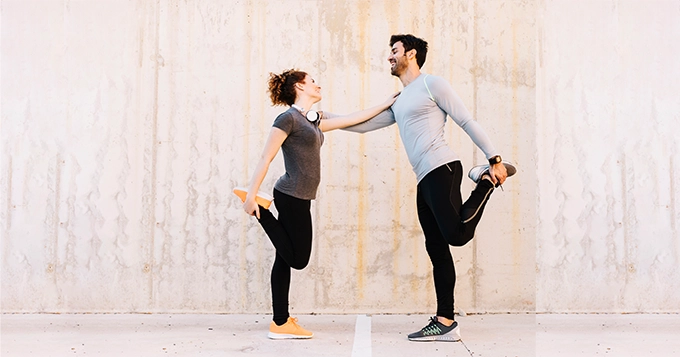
608	156
126	124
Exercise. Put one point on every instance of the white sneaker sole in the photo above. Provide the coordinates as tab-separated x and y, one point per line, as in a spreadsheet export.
509	167
285	336
451	336
262	199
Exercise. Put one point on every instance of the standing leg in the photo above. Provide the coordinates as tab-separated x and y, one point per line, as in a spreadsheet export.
280	283
443	270
294	232
446	221
291	235
444	275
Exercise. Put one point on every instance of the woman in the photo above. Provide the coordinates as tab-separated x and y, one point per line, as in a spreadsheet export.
299	133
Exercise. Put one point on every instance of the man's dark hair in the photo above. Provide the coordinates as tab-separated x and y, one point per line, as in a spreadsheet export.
411	42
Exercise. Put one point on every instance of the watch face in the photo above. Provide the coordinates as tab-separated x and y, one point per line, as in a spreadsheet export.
312	116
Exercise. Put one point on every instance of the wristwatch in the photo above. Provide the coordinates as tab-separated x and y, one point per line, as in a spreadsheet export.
495	160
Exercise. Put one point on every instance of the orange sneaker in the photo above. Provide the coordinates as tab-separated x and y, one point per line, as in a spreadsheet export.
262	198
288	330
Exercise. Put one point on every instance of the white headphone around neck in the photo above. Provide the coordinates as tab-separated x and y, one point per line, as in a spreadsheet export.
313	116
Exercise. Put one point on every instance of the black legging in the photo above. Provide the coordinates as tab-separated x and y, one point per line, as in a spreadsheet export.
291	235
446	220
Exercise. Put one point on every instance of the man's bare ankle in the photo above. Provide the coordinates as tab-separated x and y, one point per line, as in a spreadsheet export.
487	177
444	321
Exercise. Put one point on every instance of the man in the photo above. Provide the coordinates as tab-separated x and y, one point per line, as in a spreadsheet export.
420	111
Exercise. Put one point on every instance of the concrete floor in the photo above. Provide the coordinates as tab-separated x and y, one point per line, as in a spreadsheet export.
337	335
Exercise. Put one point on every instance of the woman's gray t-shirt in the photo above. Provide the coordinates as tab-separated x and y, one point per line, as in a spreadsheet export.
301	155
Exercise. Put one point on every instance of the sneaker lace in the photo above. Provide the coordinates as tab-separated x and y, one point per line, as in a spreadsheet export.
431	328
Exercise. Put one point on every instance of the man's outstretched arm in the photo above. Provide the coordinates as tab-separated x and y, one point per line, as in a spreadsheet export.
332	121
383	119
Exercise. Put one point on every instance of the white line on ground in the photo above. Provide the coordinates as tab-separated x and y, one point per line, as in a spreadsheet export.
362	337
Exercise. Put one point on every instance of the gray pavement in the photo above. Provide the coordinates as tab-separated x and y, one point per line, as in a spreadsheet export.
337	335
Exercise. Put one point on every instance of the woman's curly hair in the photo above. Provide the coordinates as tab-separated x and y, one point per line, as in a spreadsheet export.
282	86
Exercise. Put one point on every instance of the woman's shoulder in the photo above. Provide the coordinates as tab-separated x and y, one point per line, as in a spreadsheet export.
285	120
286	115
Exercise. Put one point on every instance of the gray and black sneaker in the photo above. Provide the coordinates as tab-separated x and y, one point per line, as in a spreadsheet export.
477	172
436	331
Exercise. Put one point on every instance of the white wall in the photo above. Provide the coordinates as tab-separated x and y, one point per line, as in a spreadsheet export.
126	124
608	103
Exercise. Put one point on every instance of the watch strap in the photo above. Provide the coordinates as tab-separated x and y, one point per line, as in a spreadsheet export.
495	160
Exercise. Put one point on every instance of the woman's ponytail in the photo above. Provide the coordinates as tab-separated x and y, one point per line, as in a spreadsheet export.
282	86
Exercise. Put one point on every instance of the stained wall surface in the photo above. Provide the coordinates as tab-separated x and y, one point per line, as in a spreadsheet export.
607	156
125	126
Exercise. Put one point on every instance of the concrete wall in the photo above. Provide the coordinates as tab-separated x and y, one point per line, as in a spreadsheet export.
126	124
608	157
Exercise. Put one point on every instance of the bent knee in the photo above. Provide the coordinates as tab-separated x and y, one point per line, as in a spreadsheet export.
300	265
459	241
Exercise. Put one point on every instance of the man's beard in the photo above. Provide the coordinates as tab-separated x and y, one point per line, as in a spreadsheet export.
399	67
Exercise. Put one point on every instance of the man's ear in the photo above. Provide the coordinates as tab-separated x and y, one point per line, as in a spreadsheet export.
411	54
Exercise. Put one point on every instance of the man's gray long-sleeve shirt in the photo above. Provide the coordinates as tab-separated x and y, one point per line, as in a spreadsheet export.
420	112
